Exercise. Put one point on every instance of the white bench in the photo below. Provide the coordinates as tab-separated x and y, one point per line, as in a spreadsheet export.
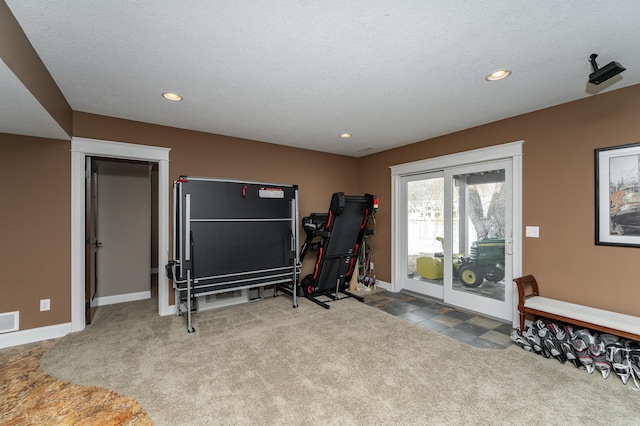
530	302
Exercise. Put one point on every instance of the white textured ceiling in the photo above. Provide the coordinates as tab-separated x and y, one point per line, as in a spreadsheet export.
299	73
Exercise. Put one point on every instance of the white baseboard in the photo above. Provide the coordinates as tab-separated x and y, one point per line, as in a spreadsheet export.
383	284
170	310
121	298
34	335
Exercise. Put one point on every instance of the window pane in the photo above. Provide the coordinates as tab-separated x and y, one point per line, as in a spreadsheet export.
479	233
425	227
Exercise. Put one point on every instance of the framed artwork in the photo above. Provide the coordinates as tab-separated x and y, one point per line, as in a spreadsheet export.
618	195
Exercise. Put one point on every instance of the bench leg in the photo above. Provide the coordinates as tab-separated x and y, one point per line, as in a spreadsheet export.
521	322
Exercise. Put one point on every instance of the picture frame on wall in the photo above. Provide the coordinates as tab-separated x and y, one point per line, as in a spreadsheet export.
617	173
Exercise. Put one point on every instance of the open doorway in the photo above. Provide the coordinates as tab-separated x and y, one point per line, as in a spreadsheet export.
122	232
81	149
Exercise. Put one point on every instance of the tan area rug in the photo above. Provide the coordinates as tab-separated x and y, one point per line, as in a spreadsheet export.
267	363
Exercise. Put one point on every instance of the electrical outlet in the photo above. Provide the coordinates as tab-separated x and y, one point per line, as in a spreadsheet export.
45	304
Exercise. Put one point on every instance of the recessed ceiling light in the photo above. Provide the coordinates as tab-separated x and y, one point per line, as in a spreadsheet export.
345	135
172	96
498	75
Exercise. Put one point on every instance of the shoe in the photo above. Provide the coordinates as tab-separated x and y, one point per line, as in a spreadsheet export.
581	345
597	347
542	332
541	328
552	342
564	335
581	340
534	340
620	363
587	361
520	340
610	339
602	365
634	359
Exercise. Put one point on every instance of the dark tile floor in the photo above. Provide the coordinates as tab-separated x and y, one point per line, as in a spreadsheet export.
462	325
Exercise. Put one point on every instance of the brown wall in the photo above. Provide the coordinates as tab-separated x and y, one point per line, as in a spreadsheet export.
317	174
35	228
558	195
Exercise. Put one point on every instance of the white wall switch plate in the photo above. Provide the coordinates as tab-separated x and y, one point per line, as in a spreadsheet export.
45	304
532	231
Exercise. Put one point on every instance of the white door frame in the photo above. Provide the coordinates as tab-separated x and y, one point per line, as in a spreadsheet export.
512	150
80	149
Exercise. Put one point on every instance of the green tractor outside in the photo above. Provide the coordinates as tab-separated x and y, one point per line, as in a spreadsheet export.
486	262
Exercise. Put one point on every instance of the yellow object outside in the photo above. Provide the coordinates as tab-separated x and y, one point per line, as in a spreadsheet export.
431	268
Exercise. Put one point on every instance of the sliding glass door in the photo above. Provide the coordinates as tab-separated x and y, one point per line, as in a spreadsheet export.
455	235
481	238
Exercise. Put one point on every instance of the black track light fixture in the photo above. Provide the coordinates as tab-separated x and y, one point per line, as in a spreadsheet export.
600	75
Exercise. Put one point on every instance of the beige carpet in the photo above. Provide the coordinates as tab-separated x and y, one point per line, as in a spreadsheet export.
265	363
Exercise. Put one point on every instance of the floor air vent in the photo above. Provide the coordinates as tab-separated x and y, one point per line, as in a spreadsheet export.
9	321
219	300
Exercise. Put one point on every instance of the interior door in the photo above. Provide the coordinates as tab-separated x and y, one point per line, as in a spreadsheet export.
479	243
91	240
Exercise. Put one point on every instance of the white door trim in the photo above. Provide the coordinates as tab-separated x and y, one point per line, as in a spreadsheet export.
490	153
511	150
80	149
